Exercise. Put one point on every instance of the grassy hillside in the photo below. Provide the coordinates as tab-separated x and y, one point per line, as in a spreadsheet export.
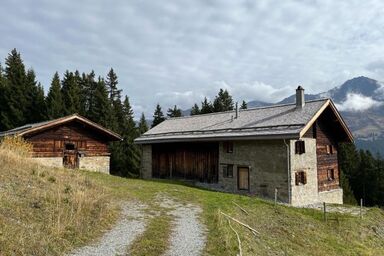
49	211
46	211
283	230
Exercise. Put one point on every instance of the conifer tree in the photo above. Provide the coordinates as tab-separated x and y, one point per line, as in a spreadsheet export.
206	107
54	100
100	110
111	82
71	93
243	105
143	126
4	122
223	101
35	110
15	92
195	110
158	116
174	112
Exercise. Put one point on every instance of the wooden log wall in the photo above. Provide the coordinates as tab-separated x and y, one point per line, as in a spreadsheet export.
51	142
190	161
327	133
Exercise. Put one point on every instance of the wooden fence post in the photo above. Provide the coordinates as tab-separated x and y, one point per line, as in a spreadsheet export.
275	196
325	211
361	208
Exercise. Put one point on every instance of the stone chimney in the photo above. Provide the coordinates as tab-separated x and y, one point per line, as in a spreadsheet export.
300	98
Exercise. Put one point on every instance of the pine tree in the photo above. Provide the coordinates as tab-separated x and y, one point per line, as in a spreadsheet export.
158	116
100	109
223	101
195	110
175	112
54	100
143	126
111	82
35	110
4	122
71	93
206	107
15	92
243	105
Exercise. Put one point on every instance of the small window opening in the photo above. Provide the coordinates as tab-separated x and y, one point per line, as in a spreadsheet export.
331	174
228	146
300	178
228	171
329	149
69	146
300	147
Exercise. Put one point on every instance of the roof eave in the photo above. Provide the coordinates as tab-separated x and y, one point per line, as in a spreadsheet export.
155	140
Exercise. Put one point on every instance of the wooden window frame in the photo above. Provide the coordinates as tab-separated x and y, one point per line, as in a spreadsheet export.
330	174
330	149
228	146
227	170
299	147
300	178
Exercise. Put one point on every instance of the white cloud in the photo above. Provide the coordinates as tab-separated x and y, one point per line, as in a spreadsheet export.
357	103
163	49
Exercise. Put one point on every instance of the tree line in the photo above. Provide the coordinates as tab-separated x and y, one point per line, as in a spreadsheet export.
22	101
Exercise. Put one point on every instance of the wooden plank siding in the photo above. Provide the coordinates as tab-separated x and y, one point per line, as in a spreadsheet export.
189	161
325	132
51	142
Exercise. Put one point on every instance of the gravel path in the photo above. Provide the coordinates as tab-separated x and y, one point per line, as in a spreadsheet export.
188	235
117	240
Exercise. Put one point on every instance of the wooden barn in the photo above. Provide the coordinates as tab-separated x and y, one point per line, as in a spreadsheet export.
292	148
72	142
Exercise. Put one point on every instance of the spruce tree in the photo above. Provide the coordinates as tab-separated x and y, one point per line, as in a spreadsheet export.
206	107
54	100
4	122
195	110
158	116
16	90
71	93
174	112
223	101
35	110
243	105
100	108
143	126
111	82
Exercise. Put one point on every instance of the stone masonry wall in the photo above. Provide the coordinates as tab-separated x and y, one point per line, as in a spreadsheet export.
267	162
49	161
307	162
95	163
146	162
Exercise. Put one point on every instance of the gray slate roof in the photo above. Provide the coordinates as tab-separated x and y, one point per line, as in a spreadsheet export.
23	128
278	121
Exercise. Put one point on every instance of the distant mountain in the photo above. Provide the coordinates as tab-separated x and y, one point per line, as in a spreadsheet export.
361	102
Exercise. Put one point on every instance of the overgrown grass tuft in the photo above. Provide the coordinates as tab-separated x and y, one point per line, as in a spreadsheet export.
46	211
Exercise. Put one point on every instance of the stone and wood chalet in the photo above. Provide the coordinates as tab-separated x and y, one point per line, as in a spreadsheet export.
292	148
72	142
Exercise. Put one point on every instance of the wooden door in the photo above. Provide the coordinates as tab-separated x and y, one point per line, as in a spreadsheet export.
243	178
70	159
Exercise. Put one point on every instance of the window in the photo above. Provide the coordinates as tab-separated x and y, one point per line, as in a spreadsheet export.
69	146
299	147
228	171
228	146
331	174
300	178
329	149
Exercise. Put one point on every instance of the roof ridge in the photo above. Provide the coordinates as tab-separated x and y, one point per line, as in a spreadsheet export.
248	109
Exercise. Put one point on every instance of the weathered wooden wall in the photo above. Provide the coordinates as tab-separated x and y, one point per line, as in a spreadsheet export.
191	161
326	132
51	142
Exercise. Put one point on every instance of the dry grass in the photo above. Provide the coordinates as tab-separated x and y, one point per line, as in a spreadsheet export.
45	211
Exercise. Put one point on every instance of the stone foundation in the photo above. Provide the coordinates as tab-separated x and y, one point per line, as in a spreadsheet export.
334	196
49	161
146	162
95	163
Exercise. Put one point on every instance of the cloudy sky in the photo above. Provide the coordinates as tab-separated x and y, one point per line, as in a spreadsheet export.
177	52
